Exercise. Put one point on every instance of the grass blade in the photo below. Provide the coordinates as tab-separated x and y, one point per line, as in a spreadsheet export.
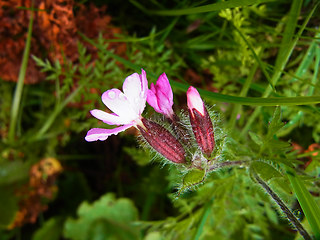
20	83
202	9
307	203
253	101
287	46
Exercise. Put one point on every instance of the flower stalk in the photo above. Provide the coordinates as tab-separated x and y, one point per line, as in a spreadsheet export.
283	207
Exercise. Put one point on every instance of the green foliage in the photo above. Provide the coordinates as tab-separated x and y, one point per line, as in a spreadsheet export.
226	206
269	144
50	230
13	172
141	157
107	218
8	206
309	206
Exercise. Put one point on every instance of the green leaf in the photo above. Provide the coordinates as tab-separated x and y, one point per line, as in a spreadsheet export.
281	146
51	230
153	236
266	171
192	178
271	214
107	218
275	124
256	138
8	207
307	202
13	172
206	213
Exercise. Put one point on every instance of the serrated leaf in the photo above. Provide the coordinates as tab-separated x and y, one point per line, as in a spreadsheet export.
256	138
39	62
57	65
107	218
279	145
275	124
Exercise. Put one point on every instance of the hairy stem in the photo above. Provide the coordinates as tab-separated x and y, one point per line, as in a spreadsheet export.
226	164
283	207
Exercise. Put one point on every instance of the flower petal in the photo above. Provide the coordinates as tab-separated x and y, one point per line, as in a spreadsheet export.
164	86
194	100
109	118
152	98
144	84
164	103
135	89
160	96
102	134
117	102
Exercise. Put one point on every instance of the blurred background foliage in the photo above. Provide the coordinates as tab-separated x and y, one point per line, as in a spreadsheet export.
54	185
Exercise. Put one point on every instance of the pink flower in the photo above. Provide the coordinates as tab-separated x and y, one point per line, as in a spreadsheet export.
127	107
200	121
160	96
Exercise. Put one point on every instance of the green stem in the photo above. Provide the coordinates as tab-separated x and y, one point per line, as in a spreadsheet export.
283	207
19	88
227	164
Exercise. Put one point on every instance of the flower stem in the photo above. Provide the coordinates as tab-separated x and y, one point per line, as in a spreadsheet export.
283	207
226	164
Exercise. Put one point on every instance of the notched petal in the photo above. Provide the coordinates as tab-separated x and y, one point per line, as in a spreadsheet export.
102	134
109	118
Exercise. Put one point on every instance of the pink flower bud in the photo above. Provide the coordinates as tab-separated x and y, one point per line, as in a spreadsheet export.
194	100
162	141
200	121
160	96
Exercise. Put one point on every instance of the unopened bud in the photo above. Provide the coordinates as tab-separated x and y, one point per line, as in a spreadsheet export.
200	121
162	141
